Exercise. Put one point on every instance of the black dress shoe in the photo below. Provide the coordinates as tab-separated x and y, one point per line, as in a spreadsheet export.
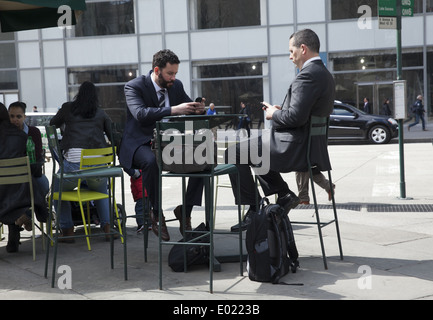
289	201
245	221
178	214
13	238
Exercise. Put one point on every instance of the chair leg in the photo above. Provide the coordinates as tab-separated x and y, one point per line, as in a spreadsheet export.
33	235
119	224
209	186
49	235
240	217
215	200
85	225
319	226
334	207
145	201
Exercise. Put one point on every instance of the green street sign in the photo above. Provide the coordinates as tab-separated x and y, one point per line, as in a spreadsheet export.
407	8
388	8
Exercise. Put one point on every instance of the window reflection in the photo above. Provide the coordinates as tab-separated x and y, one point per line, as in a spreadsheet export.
227	13
7	56
227	85
375	60
429	7
106	18
102	74
110	81
8	80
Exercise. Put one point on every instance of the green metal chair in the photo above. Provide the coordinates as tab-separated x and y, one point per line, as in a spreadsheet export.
317	146
182	137
111	172
17	171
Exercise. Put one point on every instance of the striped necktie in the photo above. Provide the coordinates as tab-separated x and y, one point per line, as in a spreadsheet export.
161	101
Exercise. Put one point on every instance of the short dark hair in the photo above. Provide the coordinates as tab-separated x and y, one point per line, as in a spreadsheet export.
307	37
18	104
162	57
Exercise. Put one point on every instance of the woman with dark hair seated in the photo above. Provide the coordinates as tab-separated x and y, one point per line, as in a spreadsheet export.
85	125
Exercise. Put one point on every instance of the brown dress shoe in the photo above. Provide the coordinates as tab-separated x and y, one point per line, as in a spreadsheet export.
178	213
67	233
329	193
24	220
106	230
155	228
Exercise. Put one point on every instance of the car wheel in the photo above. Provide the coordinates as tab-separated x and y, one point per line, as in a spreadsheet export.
379	135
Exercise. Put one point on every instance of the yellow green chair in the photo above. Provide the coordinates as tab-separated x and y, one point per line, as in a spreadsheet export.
95	163
91	159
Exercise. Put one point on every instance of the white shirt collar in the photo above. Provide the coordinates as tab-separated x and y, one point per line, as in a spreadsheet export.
158	88
310	60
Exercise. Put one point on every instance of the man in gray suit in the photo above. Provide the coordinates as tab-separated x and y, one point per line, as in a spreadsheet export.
311	93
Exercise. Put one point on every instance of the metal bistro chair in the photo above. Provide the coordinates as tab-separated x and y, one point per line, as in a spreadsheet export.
108	170
317	143
178	130
117	130
17	171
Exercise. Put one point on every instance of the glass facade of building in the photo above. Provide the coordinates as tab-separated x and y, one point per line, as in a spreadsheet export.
230	51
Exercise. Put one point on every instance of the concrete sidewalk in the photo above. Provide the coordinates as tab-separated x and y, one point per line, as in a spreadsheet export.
386	241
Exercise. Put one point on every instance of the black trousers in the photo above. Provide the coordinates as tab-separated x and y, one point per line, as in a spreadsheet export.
145	160
271	182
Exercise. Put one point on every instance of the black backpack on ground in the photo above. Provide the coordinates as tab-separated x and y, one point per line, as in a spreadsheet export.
270	244
195	254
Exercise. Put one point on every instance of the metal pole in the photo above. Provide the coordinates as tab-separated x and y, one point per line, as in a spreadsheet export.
400	121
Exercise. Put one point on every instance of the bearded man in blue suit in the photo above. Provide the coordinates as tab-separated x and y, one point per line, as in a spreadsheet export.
151	98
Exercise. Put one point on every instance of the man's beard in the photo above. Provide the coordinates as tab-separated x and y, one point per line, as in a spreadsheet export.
164	84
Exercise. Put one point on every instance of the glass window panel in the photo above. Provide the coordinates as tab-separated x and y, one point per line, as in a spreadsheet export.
7	36
227	13
231	70
7	56
110	82
378	61
418	7
429	107
105	74
429	6
227	94
106	18
111	99
343	9
8	80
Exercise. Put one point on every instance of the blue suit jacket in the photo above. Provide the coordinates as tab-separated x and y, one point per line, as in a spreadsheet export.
143	112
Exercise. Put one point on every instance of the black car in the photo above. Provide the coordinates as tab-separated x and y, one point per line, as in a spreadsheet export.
350	123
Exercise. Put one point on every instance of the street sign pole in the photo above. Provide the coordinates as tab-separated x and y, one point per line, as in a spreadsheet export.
400	121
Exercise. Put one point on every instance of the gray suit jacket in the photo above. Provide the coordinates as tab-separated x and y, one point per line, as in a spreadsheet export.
311	93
